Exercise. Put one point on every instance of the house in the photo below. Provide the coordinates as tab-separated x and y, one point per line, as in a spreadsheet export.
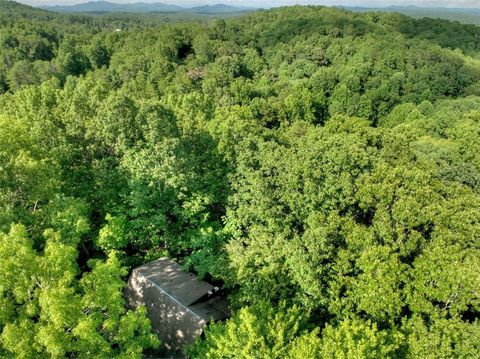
178	303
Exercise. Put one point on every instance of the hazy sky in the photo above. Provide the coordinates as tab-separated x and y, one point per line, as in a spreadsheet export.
270	3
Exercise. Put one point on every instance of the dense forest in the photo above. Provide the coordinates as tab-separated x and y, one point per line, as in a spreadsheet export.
462	15
323	166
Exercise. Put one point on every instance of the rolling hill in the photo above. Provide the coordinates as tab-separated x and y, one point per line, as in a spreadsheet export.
462	15
140	7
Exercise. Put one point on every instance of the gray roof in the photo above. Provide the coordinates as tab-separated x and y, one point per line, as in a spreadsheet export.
178	303
185	287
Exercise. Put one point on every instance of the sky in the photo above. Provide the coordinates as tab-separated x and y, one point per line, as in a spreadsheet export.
272	3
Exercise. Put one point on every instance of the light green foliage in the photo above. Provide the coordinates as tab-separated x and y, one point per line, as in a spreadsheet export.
358	339
112	235
443	338
381	239
260	332
28	177
86	317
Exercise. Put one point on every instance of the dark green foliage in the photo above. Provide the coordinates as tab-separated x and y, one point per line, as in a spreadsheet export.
323	166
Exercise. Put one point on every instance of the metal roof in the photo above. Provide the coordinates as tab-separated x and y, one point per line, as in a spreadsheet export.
178	303
185	287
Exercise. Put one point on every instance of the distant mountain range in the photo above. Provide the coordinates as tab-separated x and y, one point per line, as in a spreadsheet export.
140	7
465	15
416	9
